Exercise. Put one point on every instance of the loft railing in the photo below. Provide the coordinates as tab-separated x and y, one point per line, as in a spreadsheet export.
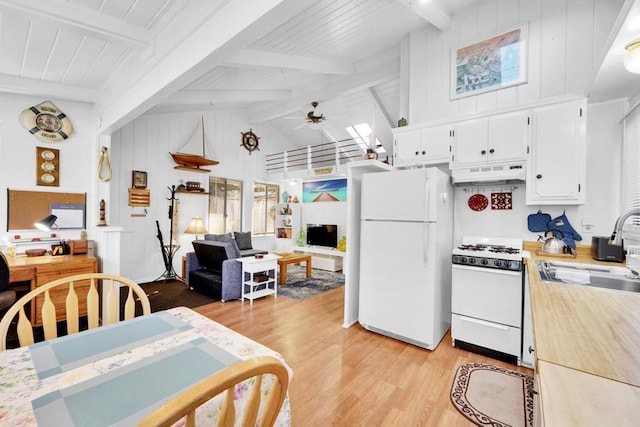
328	154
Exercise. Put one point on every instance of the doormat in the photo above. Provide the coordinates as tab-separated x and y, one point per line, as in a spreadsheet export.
491	396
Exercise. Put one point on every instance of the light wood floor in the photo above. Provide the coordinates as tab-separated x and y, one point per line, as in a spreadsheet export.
350	377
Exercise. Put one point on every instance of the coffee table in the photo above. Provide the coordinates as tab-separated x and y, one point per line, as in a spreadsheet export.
287	258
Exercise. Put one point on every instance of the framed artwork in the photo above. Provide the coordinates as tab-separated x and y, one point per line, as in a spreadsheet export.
329	190
494	63
139	179
47	167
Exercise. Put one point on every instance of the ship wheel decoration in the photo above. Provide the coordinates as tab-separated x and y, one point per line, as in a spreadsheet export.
250	141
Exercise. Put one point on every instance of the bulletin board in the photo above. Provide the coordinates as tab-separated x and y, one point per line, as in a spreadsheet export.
26	207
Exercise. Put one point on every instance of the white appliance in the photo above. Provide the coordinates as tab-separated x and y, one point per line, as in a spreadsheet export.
487	296
405	247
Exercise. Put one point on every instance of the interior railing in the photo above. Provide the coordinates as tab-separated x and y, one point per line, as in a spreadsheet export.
328	154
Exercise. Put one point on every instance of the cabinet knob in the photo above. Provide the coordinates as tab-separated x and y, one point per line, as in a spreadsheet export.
492	151
531	350
539	176
483	152
424	152
417	153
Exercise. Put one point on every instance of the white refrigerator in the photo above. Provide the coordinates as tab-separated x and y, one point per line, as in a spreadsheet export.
405	255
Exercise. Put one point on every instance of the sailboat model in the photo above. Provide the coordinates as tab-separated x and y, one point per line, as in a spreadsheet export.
194	162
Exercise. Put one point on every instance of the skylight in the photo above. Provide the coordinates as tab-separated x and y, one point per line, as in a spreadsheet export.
360	134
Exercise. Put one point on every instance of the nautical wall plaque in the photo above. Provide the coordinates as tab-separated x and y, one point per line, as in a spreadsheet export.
46	122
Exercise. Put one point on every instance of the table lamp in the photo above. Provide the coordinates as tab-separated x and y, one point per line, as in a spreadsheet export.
196	226
47	223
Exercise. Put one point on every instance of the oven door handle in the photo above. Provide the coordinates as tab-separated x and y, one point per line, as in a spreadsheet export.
487	270
484	323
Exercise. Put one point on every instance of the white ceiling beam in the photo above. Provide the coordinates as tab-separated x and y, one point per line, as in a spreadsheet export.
41	88
380	106
219	96
233	27
337	86
431	11
85	21
257	58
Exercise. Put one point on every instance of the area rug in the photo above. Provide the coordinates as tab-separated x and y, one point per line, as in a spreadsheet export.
491	396
299	288
169	294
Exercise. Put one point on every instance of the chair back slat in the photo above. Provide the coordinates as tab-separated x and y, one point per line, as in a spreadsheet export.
130	306
93	306
70	304
49	321
253	404
24	328
73	319
113	304
227	416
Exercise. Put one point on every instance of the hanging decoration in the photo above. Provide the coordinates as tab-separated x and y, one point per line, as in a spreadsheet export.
501	201
104	166
250	141
46	122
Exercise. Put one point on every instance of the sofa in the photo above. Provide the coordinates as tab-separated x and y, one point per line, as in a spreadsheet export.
212	268
242	241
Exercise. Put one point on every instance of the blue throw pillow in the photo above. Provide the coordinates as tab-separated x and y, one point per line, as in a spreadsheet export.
243	240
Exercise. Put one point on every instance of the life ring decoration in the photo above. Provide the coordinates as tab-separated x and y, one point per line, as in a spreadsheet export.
250	141
46	122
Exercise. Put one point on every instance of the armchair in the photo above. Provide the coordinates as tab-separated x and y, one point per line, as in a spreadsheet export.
213	270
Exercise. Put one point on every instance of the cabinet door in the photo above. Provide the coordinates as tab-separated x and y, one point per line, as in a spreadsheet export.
508	137
528	344
436	141
470	146
556	172
407	148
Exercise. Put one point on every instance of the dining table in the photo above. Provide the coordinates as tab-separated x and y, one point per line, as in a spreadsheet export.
117	374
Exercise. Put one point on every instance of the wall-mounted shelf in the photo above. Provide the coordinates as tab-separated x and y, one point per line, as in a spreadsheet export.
192	192
139	197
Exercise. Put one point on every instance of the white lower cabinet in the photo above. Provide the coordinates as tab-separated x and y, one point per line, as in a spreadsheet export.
528	347
557	162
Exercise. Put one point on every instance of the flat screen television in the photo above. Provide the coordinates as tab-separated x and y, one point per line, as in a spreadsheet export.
322	235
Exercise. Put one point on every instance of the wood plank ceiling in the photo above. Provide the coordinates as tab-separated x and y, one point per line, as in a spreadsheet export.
342	53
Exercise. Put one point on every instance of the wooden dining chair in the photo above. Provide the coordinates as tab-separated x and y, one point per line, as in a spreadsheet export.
59	300
186	403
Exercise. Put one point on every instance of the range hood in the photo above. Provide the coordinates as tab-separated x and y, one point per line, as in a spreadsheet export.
489	173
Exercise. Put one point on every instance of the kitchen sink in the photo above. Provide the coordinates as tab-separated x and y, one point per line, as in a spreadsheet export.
618	278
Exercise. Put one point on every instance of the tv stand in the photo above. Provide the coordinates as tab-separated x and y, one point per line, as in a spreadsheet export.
323	258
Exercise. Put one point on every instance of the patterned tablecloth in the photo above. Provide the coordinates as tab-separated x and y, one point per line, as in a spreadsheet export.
117	374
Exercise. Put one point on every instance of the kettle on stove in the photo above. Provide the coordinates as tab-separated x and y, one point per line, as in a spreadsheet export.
551	244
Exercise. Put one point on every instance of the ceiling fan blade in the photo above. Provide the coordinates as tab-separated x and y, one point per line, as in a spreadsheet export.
300	126
294	118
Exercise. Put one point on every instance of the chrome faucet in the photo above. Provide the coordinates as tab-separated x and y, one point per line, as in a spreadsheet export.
616	236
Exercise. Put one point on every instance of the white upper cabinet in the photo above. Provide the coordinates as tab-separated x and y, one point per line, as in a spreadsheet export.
496	139
424	146
556	172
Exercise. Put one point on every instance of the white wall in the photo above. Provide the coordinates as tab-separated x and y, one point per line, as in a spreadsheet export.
566	39
78	157
145	144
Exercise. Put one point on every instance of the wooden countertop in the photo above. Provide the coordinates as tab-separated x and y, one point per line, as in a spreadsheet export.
587	343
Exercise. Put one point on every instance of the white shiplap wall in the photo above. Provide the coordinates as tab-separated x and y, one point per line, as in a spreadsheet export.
145	144
566	39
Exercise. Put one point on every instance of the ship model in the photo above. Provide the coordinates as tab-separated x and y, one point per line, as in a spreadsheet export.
194	162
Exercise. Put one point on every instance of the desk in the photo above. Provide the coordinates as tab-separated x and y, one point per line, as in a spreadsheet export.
122	372
39	270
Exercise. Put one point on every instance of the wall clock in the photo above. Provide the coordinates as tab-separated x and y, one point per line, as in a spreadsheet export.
250	141
46	122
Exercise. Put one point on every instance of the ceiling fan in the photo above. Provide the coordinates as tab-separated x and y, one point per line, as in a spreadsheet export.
312	119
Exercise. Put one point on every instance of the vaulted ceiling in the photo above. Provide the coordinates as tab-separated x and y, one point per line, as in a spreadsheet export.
271	57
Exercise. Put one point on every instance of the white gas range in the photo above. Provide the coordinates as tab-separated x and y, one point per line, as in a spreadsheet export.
487	296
